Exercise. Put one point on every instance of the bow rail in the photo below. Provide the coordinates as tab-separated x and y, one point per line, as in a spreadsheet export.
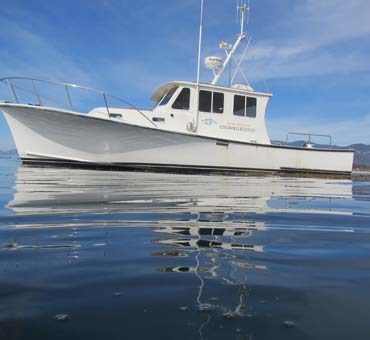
15	90
308	137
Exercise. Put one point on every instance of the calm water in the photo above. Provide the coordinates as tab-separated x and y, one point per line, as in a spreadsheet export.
118	255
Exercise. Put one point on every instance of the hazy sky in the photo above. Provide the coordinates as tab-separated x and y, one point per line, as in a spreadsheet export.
312	54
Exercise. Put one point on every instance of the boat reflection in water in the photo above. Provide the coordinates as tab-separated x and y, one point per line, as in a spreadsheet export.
55	191
215	251
215	247
197	242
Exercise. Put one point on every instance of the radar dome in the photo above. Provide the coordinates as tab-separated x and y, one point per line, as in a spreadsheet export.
214	63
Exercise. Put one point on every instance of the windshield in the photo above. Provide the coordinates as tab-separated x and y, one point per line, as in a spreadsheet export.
168	96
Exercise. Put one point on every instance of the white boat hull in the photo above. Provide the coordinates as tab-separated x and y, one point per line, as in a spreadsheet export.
56	136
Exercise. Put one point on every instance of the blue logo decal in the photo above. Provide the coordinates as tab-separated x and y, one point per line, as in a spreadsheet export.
209	121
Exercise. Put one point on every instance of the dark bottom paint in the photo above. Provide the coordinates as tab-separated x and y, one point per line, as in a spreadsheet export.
175	168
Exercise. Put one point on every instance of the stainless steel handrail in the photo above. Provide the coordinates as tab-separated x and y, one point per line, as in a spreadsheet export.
67	86
309	135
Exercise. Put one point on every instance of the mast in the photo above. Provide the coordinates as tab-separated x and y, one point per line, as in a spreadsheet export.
200	39
196	121
242	8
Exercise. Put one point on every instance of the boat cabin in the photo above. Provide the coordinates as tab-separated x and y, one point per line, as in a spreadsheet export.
233	113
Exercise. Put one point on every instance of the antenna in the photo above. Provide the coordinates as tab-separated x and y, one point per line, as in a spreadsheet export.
241	9
237	11
248	11
200	39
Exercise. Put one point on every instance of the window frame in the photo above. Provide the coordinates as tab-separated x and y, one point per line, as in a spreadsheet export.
173	90
199	101
255	107
177	97
244	103
213	102
212	106
246	100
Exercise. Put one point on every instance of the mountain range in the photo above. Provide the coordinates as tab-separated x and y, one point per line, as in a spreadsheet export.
362	153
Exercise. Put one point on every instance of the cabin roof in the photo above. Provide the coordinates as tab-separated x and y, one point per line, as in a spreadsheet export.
164	88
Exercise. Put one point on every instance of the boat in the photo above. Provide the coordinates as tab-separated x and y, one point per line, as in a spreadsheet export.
193	126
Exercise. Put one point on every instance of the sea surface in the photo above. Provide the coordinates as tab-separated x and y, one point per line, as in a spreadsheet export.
136	255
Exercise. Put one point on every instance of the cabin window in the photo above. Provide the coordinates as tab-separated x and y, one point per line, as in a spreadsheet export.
182	101
205	101
211	101
251	110
245	106
239	105
168	96
218	102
